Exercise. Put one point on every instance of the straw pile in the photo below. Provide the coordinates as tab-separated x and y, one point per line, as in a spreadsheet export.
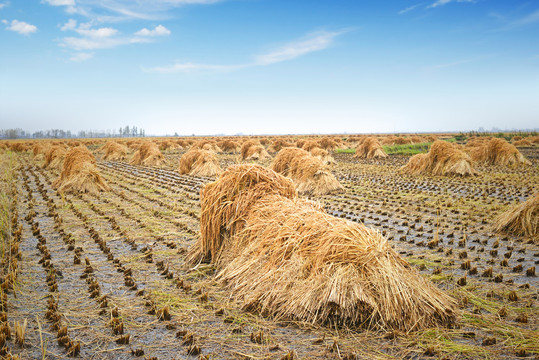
79	173
522	143
328	144
199	163
522	220
114	151
209	145
443	158
370	148
278	144
229	146
54	156
309	145
253	150
169	145
307	172
148	154
497	152
323	155
285	257
39	149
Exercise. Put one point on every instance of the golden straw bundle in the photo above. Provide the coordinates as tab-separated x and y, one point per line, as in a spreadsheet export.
370	148
443	158
286	257
148	154
199	163
308	172
522	220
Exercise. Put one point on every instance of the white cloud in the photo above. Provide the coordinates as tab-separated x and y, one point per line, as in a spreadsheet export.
444	2
71	24
97	33
79	57
314	42
21	27
159	30
98	43
2	5
60	2
410	8
528	19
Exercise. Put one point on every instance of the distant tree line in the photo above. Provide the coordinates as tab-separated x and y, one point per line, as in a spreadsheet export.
127	131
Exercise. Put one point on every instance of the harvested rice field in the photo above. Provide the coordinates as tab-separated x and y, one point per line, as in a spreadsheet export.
117	270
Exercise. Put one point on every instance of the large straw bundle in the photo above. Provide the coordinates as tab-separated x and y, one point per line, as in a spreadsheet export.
522	220
79	173
148	154
442	159
54	156
370	148
199	163
497	152
308	172
286	257
114	151
253	150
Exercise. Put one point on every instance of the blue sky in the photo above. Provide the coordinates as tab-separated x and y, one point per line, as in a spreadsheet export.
269	66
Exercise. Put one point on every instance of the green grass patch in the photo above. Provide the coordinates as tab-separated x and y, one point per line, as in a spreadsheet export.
407	149
345	151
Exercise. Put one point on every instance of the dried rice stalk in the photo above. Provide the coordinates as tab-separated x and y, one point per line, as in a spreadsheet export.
308	172
199	163
522	220
253	150
148	154
323	156
370	148
442	159
286	257
497	152
79	173
114	151
54	156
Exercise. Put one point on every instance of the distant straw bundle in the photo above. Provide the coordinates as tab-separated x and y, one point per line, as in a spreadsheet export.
148	154
498	152
328	144
323	155
114	151
253	150
309	145
370	148
210	145
169	145
39	149
229	146
286	257
199	163
522	143
79	173
278	144
310	175
442	159
54	156
522	220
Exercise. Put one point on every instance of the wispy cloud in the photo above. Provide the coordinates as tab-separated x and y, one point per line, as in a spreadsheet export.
159	30
410	8
20	27
445	2
316	41
82	56
528	19
456	63
121	10
3	5
78	44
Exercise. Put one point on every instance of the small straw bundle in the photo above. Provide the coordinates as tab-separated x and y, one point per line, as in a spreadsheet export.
370	148
522	143
253	150
309	145
114	151
229	146
148	154
278	144
497	152
309	173
54	156
442	159
323	156
209	145
521	220
39	149
199	163
328	144
79	173
286	257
